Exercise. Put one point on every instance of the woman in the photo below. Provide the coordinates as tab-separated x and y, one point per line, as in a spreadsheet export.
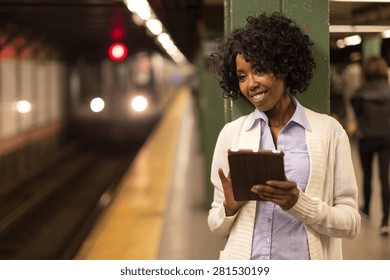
371	104
268	62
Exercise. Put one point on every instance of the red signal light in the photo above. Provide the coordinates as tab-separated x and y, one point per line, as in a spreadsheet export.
117	33
117	51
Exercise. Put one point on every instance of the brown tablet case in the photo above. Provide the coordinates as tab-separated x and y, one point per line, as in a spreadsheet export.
248	168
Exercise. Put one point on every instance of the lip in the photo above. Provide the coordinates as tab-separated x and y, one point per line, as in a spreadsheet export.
258	96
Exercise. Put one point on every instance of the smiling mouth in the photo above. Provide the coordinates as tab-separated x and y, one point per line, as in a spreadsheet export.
259	96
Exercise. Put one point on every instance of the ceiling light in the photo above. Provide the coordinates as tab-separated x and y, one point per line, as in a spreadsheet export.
140	7
357	28
165	41
340	43
366	1
352	40
144	15
386	34
154	26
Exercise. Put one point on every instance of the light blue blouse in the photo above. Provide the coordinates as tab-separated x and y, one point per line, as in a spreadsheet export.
277	234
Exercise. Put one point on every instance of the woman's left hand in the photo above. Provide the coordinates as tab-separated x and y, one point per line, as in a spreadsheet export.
283	193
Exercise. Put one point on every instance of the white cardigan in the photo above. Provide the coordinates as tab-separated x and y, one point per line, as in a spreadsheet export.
328	207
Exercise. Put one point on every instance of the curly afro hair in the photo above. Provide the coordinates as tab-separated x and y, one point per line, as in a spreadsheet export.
271	43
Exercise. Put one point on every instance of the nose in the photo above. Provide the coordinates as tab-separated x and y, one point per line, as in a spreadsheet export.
253	84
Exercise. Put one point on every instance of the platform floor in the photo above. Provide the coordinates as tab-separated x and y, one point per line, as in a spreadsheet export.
169	221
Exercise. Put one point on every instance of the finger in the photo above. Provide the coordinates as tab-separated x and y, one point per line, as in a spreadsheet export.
222	176
281	184
255	191
269	196
273	197
269	192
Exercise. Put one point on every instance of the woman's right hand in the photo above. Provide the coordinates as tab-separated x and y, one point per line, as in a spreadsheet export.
231	205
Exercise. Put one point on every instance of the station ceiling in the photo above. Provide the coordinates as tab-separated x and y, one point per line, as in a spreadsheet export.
78	26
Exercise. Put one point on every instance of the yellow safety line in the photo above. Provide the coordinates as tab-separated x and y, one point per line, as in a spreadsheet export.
131	227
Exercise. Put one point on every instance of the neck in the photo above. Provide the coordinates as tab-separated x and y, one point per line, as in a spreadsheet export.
281	116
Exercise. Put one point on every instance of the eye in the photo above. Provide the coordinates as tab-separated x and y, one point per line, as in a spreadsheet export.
241	77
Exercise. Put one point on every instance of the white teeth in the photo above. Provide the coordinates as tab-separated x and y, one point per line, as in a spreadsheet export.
258	96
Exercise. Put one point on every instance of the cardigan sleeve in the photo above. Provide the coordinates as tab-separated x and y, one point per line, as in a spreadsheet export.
219	223
329	205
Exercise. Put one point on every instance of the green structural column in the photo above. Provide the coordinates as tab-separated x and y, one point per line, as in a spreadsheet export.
210	108
313	17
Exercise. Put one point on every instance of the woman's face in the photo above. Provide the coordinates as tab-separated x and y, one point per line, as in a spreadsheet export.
264	90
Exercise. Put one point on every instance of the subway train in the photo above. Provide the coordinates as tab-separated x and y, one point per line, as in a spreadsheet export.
119	102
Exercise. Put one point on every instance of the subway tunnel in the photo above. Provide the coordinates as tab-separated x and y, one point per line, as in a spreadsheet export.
102	122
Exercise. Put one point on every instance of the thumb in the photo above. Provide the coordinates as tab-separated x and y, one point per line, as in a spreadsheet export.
222	175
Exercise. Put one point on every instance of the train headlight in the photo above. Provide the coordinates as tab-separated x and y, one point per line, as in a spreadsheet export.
139	103
97	105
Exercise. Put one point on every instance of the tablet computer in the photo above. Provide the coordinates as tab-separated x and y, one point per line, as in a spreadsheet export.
248	168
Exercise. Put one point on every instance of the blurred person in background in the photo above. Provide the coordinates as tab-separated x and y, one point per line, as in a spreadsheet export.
352	76
371	104
337	98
